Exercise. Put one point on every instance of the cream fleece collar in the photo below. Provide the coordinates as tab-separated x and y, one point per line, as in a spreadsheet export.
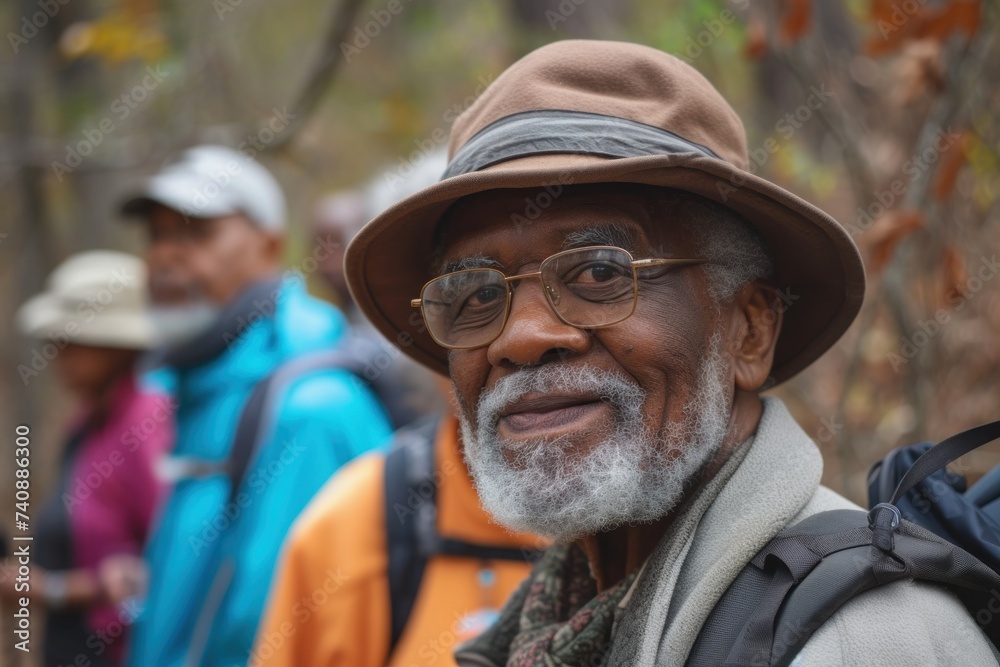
756	494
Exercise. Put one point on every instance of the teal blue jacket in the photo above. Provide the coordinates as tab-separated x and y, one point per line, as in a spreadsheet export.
211	556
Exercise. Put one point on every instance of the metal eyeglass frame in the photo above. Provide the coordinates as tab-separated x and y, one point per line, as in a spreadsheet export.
634	263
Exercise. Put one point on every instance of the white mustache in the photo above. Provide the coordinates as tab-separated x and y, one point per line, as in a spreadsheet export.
617	389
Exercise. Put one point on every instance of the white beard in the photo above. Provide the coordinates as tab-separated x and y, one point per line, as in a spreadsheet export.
633	475
173	325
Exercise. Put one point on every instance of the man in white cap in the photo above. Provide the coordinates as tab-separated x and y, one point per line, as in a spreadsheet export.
91	321
264	417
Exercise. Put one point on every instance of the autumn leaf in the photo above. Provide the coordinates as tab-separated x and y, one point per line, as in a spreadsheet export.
919	71
115	38
138	9
897	24
796	20
957	16
756	44
886	233
951	163
880	10
968	17
954	274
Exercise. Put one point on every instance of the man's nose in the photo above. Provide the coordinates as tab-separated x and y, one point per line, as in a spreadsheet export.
534	333
164	251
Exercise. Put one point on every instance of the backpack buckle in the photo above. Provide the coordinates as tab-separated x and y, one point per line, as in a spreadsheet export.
896	516
883	526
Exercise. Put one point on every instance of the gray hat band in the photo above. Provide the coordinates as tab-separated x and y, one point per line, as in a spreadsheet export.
551	131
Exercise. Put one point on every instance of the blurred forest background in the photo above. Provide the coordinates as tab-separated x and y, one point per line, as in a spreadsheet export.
886	113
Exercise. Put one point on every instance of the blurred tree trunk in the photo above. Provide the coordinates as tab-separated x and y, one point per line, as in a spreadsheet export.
569	18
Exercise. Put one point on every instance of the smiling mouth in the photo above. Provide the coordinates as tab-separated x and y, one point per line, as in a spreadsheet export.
536	412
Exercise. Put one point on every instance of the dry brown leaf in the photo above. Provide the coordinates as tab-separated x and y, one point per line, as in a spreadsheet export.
968	17
957	16
756	44
949	167
795	21
140	8
918	71
954	275
897	24
893	26
880	10
886	233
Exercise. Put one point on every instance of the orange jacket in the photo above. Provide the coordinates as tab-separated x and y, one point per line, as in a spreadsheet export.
330	602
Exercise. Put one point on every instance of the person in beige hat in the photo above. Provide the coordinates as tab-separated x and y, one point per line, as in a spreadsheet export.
610	289
91	323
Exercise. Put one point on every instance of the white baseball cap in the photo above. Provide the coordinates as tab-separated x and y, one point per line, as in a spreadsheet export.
95	298
212	182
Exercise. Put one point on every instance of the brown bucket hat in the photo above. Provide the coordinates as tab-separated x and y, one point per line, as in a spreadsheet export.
581	111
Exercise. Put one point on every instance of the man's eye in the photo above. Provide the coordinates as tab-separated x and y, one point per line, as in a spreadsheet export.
598	273
483	297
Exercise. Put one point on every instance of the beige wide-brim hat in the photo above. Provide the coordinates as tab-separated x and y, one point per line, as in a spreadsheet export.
579	112
94	298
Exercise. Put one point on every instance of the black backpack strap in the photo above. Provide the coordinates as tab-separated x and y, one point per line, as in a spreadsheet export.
450	547
742	628
810	570
944	453
409	467
258	413
411	522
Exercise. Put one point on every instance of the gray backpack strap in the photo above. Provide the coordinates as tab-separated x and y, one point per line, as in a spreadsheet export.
258	414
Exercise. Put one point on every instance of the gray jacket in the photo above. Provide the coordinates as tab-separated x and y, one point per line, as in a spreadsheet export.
770	483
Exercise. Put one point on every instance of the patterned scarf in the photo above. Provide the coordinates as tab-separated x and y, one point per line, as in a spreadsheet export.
555	618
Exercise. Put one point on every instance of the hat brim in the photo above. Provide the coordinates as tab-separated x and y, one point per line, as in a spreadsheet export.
179	193
46	316
817	265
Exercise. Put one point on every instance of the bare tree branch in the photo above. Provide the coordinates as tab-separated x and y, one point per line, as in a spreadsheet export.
322	74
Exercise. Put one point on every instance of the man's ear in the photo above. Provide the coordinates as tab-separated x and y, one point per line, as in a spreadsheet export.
273	248
755	322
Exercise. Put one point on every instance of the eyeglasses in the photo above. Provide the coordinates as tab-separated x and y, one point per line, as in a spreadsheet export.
587	288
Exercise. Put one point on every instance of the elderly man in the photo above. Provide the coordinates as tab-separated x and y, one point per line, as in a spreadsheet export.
601	280
265	415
